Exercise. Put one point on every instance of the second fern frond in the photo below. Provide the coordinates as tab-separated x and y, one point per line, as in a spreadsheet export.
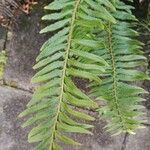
123	52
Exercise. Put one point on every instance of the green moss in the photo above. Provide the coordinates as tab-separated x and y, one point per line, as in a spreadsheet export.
3	60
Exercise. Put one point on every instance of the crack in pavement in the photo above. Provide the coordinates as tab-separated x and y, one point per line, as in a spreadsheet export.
17	88
126	137
5	40
4	82
124	143
146	124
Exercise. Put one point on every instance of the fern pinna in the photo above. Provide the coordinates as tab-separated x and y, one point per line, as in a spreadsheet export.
123	53
54	104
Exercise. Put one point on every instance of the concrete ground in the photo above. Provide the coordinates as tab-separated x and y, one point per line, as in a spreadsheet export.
22	46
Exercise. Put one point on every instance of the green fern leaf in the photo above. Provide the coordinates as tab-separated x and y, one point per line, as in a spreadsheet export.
54	104
123	54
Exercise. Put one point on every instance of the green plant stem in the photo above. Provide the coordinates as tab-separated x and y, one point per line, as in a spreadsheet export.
110	48
69	41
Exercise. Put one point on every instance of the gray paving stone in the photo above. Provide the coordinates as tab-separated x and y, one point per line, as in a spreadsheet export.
141	140
12	136
22	48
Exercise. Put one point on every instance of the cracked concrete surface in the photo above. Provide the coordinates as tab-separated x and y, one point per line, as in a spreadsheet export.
22	48
12	102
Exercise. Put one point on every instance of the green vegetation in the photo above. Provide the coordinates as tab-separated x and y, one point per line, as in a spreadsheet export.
94	40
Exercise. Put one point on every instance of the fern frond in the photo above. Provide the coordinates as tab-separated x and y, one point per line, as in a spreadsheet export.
123	53
54	104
